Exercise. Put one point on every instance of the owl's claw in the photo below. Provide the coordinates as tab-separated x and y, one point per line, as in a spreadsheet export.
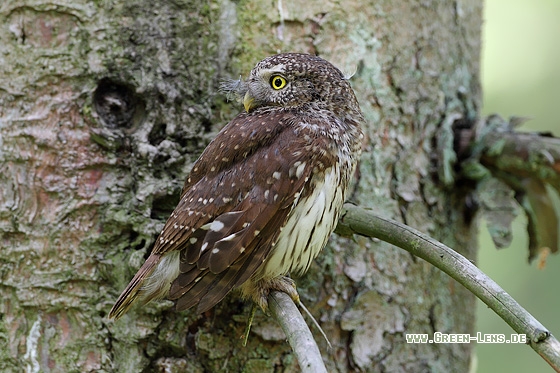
285	285
260	298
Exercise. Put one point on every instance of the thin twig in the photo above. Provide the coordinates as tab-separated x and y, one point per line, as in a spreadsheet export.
356	220
299	336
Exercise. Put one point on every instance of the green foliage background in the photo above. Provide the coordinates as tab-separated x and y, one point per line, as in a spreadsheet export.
521	77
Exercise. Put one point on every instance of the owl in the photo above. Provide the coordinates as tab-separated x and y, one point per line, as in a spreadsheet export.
261	201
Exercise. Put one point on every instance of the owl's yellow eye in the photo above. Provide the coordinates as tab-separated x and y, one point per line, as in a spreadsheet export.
277	82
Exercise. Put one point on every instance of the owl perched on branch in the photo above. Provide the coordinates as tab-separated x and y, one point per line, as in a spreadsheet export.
264	196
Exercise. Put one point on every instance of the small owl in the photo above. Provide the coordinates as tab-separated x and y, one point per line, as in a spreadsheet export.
264	196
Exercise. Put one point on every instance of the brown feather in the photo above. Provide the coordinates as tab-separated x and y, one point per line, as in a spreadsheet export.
223	285
196	291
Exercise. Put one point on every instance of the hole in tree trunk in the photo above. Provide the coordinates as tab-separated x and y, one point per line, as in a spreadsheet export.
118	105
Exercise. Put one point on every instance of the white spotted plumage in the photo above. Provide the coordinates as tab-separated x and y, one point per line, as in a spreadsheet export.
264	196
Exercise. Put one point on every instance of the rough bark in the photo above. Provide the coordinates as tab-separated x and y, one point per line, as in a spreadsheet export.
103	108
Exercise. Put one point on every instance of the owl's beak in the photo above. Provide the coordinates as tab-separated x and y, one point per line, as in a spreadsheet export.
248	101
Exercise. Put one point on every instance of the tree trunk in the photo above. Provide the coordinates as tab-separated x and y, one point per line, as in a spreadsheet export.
105	105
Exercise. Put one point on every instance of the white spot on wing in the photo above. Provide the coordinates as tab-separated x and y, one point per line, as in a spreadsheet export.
228	238
216	226
300	169
297	169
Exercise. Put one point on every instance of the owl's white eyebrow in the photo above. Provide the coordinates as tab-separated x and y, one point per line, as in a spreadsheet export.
270	72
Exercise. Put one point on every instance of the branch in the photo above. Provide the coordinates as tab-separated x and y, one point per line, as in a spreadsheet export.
291	321
525	155
356	220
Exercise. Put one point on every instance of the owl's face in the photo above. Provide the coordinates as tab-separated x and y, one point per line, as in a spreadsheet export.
293	80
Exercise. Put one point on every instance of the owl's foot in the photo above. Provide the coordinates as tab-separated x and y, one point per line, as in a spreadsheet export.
259	293
283	284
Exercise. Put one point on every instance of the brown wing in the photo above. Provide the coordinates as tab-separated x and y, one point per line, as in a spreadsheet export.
228	169
265	182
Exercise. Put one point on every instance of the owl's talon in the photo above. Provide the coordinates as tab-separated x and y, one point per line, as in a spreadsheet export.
285	285
281	283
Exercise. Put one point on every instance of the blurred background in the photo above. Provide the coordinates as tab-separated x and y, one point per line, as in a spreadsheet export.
520	77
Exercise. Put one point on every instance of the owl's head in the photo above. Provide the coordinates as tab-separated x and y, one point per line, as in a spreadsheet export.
294	80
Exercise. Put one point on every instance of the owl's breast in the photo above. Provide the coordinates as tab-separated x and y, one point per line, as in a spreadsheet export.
308	227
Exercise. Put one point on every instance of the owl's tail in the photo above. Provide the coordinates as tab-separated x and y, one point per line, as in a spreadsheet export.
134	289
